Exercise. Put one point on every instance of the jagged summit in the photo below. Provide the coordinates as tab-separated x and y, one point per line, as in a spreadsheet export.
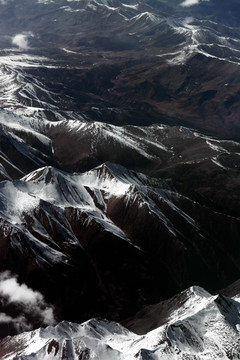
108	177
45	174
198	291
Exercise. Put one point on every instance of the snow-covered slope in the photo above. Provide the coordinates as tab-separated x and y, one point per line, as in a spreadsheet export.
24	147
200	327
152	146
92	193
184	157
23	94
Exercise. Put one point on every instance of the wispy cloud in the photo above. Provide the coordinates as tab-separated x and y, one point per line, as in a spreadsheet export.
20	323
22	40
31	304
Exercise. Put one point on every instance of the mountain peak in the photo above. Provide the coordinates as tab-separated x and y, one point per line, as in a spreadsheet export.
199	291
45	174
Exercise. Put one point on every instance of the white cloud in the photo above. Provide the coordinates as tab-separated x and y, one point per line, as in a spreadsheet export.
29	302
20	322
187	3
45	1
4	318
19	293
188	20
21	40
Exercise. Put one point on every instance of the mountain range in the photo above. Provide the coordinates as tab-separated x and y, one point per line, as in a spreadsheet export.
120	156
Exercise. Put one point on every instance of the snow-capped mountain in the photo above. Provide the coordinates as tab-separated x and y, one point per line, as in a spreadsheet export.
197	326
137	237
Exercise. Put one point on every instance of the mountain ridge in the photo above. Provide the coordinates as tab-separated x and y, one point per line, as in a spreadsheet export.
176	338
